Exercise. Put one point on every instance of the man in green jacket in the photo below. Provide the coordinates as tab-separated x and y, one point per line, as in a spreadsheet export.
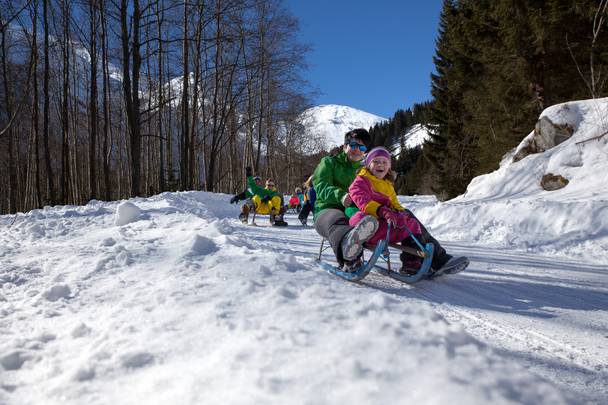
331	180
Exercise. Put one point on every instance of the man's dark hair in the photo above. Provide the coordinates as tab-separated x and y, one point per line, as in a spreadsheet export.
360	134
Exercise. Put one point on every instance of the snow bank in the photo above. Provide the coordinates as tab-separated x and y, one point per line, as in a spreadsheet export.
186	305
508	208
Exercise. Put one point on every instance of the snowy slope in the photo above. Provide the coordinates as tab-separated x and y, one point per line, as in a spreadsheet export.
508	208
330	122
416	136
170	299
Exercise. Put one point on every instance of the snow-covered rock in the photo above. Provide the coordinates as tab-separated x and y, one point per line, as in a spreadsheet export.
509	207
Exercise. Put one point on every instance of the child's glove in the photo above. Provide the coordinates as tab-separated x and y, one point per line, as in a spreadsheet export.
265	199
234	199
248	171
391	216
409	222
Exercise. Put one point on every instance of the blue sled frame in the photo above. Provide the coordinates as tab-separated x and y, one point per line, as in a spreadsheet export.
381	251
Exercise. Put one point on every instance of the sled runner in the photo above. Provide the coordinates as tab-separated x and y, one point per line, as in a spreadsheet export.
244	217
362	271
274	222
381	251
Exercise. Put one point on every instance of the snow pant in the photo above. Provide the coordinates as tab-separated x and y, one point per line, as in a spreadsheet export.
332	224
440	256
273	207
305	211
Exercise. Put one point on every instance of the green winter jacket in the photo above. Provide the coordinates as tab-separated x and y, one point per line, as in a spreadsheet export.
260	191
331	180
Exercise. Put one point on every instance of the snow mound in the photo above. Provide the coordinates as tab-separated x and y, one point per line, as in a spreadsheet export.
126	213
509	208
251	318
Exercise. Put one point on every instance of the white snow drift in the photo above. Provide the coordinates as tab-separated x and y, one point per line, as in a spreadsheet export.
170	299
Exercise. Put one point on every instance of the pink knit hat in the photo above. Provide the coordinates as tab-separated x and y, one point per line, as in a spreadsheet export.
377	152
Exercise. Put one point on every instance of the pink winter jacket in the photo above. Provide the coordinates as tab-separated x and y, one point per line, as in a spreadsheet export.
369	193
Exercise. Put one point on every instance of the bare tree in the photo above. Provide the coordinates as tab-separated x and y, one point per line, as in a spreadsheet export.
131	64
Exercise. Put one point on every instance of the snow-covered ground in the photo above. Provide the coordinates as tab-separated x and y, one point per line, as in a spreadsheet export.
183	304
170	299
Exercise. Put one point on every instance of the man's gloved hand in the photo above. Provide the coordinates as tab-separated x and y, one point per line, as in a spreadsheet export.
391	216
234	199
248	171
266	198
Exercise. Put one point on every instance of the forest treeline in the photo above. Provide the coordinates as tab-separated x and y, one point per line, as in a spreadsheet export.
498	64
113	99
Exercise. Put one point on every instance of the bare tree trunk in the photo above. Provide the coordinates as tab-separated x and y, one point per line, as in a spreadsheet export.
107	135
65	143
195	97
131	88
93	115
33	199
170	173
74	154
12	157
185	165
45	134
161	101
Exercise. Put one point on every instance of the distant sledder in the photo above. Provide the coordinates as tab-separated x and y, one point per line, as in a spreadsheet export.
422	255
264	201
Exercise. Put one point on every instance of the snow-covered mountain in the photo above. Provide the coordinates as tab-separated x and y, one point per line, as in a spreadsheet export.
415	136
330	122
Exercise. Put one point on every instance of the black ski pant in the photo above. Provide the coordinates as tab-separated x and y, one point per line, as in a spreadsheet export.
440	256
305	211
332	224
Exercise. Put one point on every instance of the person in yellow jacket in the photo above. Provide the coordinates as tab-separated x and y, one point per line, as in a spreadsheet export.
267	201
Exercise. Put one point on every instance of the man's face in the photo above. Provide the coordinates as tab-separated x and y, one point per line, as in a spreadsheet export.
354	150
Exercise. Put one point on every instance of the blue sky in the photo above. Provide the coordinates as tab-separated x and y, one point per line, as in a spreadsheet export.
376	56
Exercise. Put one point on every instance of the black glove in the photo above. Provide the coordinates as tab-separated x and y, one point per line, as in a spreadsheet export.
248	171
234	199
266	198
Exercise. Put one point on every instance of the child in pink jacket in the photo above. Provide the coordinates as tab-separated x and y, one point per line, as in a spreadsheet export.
374	194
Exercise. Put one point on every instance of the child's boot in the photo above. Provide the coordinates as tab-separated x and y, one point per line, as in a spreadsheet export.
352	242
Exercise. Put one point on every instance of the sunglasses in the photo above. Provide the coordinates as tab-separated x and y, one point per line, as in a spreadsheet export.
269	184
355	145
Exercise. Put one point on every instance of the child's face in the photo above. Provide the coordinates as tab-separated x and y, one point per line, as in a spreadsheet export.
380	166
